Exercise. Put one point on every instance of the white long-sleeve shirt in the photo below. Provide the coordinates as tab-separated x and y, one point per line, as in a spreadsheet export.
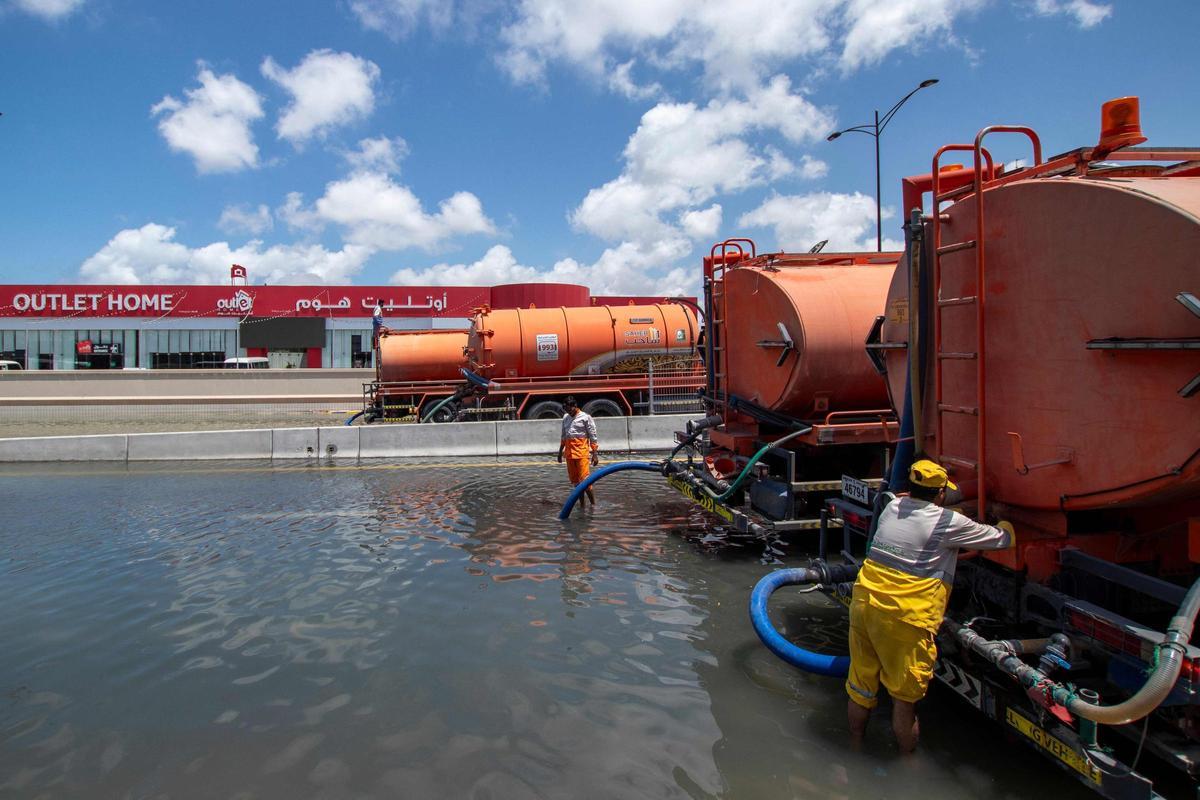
580	426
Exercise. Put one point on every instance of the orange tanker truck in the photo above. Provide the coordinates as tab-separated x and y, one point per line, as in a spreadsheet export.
521	363
1039	336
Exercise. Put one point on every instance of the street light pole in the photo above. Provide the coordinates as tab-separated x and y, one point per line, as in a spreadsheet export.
876	129
878	192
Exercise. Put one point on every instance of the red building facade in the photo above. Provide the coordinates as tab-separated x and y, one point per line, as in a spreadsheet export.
82	326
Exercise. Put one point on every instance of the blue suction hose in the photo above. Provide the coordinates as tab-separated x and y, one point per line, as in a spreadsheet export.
807	660
644	466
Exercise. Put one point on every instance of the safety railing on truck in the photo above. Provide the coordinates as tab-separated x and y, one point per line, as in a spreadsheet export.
672	388
664	388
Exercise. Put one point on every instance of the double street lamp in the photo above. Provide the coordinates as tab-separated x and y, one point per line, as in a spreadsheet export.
875	130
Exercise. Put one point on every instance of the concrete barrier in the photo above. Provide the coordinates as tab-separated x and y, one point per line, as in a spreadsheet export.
656	433
445	439
200	445
65	448
527	437
339	441
613	433
616	434
294	443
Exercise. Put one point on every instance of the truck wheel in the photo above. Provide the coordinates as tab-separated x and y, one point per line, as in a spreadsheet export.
603	407
546	409
446	413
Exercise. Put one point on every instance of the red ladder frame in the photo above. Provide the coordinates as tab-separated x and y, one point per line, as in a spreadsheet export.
977	187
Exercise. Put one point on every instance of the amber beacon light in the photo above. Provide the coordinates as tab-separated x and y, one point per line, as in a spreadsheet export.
1120	125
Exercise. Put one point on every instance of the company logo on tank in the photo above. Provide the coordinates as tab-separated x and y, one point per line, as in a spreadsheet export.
645	336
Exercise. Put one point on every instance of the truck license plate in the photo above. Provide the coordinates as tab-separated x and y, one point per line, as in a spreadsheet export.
856	490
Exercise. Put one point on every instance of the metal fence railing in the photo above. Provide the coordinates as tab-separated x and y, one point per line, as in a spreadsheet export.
674	386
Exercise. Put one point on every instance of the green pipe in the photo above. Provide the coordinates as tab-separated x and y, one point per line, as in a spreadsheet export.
733	487
434	410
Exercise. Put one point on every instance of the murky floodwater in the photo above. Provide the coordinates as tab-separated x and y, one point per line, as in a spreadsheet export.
390	631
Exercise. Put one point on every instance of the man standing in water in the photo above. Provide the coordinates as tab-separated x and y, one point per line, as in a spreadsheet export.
579	443
900	598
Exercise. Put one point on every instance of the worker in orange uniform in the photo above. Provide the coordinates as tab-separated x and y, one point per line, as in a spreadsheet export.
900	597
580	444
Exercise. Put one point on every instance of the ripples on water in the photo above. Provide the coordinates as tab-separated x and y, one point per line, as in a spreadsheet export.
390	631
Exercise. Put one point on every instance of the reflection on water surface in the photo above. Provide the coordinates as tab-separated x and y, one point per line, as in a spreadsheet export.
431	631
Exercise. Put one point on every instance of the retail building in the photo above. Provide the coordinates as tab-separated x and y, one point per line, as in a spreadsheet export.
80	326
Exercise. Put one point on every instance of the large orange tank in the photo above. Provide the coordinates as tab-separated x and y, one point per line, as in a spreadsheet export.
533	342
421	355
1073	263
826	309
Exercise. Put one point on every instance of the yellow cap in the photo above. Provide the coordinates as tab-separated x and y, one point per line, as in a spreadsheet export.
930	475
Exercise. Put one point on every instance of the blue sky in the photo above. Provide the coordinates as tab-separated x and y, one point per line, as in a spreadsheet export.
605	142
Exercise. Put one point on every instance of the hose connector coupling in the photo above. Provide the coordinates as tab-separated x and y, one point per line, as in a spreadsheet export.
1175	640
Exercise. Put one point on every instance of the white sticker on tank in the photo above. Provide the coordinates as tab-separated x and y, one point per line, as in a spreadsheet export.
680	335
547	347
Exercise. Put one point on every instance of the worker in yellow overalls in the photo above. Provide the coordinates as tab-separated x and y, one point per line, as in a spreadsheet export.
900	598
579	443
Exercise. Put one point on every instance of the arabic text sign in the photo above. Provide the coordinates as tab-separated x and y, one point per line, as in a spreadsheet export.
223	301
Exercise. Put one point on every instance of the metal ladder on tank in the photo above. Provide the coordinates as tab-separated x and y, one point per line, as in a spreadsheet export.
942	354
719	313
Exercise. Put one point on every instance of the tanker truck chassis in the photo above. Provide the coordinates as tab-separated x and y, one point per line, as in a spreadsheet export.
1068	628
669	389
1062	403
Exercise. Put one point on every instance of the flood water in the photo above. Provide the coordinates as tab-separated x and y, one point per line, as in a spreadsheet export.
420	631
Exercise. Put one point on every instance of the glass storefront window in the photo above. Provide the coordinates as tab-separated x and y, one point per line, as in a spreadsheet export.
349	348
156	348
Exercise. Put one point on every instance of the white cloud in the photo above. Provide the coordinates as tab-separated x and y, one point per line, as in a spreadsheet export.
628	208
328	90
376	212
378	155
736	41
620	80
702	225
399	17
498	265
213	126
296	216
626	269
683	155
1087	14
735	44
800	221
874	28
150	254
241	219
49	10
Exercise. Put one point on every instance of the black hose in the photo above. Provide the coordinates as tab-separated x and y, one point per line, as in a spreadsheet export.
698	428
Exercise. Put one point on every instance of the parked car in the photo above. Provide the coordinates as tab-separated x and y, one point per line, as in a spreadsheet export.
251	362
10	366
